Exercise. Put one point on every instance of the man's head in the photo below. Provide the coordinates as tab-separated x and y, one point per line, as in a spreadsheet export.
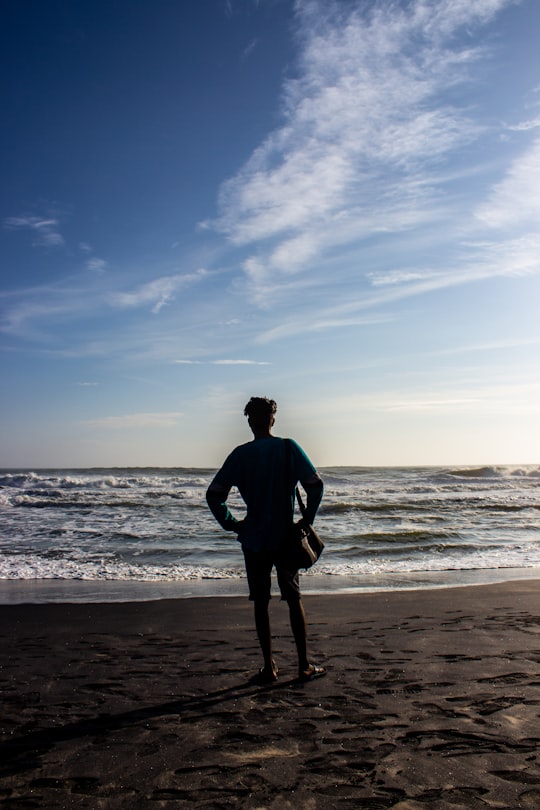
260	413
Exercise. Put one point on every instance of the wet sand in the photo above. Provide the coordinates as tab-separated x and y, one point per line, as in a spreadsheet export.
431	700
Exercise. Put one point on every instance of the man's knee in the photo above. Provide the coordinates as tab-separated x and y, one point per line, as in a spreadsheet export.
295	603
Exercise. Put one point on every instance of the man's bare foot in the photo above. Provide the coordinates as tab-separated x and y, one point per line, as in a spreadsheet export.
267	674
311	673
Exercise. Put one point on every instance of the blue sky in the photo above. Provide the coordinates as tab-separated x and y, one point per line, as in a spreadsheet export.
335	204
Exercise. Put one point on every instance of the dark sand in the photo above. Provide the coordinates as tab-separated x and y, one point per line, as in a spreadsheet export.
431	701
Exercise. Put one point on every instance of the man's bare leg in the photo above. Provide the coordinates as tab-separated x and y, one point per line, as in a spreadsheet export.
306	671
298	627
262	624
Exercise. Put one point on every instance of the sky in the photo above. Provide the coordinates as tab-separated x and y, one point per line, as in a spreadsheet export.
335	204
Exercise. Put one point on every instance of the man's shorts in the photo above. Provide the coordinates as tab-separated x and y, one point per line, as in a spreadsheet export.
259	566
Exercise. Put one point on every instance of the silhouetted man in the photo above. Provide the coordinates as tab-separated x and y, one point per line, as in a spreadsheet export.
266	475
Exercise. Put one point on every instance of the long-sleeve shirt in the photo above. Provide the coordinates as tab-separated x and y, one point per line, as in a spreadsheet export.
266	480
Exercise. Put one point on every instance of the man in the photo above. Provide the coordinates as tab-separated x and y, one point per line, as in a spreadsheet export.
266	475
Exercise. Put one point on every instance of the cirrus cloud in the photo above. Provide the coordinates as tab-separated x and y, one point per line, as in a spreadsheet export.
135	421
44	231
158	292
367	124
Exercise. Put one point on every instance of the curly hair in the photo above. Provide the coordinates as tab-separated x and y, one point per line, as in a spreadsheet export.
260	410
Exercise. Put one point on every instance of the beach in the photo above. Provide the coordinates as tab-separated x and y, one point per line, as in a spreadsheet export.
431	701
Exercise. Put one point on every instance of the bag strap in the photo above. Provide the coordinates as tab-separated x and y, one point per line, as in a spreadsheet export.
300	503
288	479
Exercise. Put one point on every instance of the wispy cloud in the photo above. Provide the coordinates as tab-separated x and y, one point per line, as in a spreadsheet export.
96	265
36	313
93	263
524	126
430	404
369	124
240	363
398	277
135	420
513	257
479	398
516	199
44	231
517	398
158	293
31	315
309	323
222	362
248	50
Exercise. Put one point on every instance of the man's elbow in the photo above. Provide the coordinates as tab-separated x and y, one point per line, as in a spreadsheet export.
215	493
314	484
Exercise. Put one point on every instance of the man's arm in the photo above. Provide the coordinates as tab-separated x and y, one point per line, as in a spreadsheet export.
216	498
314	488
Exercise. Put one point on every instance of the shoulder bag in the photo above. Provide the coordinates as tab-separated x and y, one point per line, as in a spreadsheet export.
304	544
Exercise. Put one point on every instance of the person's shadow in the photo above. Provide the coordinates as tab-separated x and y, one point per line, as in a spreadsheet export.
23	753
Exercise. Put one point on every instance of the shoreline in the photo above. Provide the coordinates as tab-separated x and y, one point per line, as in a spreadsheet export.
431	700
53	591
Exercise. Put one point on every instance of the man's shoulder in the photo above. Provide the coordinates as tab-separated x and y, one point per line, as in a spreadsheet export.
235	454
260	451
305	464
297	448
240	452
240	449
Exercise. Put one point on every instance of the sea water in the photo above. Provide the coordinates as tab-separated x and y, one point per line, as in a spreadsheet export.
138	533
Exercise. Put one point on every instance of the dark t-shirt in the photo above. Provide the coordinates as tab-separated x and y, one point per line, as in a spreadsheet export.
258	470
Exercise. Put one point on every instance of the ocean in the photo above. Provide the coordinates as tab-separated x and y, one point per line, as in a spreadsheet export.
122	534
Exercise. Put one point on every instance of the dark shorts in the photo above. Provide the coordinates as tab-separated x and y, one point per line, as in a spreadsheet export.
259	566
